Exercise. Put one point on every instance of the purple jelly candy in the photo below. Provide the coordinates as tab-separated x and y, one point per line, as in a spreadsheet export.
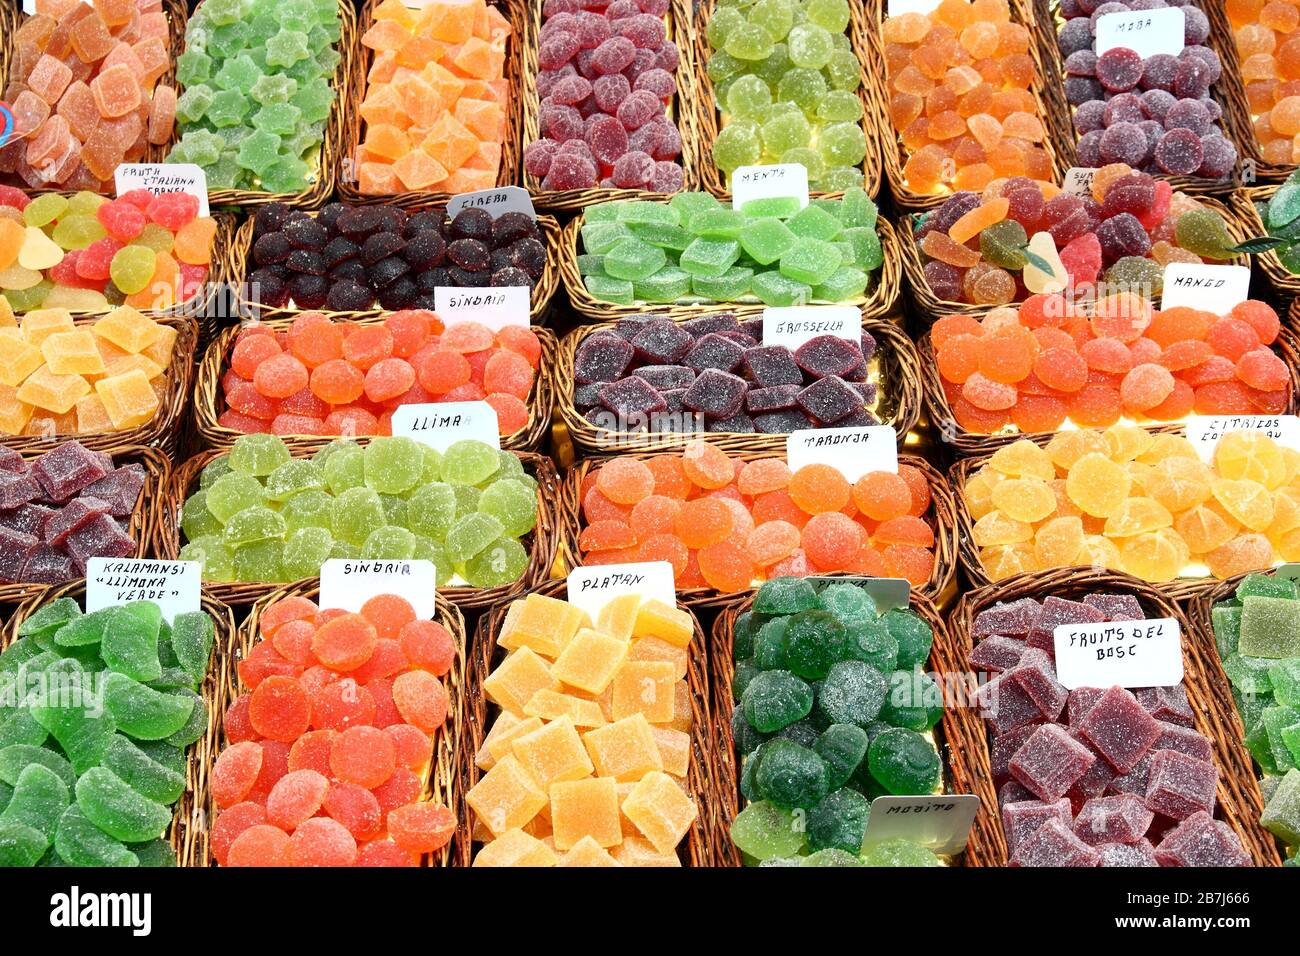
634	170
1074	35
609	91
829	400
1055	612
662	342
1201	840
1188	114
1021	820
1192	78
537	157
718	322
1136	780
602	357
772	399
1121	854
771	365
593	29
561	123
586	396
1004	747
121	488
1054	844
74	514
14	548
29	519
739	423
1095	781
1117	607
1050	762
1183	739
1179	152
714	351
716	394
631	397
11	460
1111	6
1012	792
867	391
1011	619
1158	72
1081	701
781	423
1006	706
1090	117
1119	69
1180	785
1123	108
1121	236
613	56
1036	676
1218	156
1081	63
570	90
828	355
1172	706
570	171
557	49
668	177
657	81
1120	729
638	108
607	138
101	537
665	377
1212	63
1123	142
1156	104
629	326
49	565
997	654
646	31
1118	819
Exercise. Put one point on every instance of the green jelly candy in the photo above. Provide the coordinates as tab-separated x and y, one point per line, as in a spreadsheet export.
914	701
251	525
1270	627
725	19
802	87
470	535
769	645
389	543
785	596
832	15
688	205
309	509
843	747
467	499
746	738
432	470
743	633
899	853
211	552
814	640
431	510
857	210
728	287
844	70
139	771
357	512
765	831
1250	675
600	236
667	285
810	46
513	504
23	650
810	262
838	821
771	207
591	265
904	762
710	257
15	758
831	857
1281	815
913	635
502	562
18	726
77	232
154	853
469	462
142	712
718	223
808	158
839	106
774	16
84	630
1134	273
840	178
1263	585
21	845
872	643
618	291
787	131
426	549
746	671
1285	679
848	604
131	268
196	519
45	209
305	550
78	842
661	234
1277	721
814	222
231	494
844	284
791	775
1003	244
345	469
748	96
1203	232
647	212
38	800
192	640
114	807
173	678
776	698
294	477
258	455
195	727
842	144
749	42
767	240
48	619
852	693
393	465
130	645
867	252
631	259
214	470
737	144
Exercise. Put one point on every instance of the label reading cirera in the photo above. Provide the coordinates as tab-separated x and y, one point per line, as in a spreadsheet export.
594	587
164	178
494	306
779	181
1145	32
173	585
851	451
792	326
348	583
495	202
1119	653
941	822
441	424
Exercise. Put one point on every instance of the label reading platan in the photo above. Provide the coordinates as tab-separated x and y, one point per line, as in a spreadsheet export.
851	451
495	202
164	178
348	583
592	588
1145	32
440	424
1124	653
1207	288
496	306
941	822
1078	180
173	585
1205	431
887	594
769	182
792	326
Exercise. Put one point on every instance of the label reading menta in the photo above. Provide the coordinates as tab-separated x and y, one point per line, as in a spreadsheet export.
164	178
1208	288
173	585
440	424
1124	653
769	182
1145	32
1078	180
348	583
940	822
851	451
496	307
1204	431
496	202
792	326
594	587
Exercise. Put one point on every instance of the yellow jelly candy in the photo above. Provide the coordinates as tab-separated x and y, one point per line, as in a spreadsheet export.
128	329
18	358
683	714
1055	277
1156	556
14	413
484	759
1024	499
161	350
52	392
72	353
1247	501
624	750
542	623
660	811
92	416
40	324
655	649
645	687
1290	465
1247	552
506	797
1251	455
1023	459
979	491
516	848
1098	551
1057	542
1179	483
1137	516
17	279
1004	561
553	752
517	679
635	851
127	363
674	749
39	251
1204	529
1286	513
1167	446
585	808
75	299
587	852
668	623
1126	442
551	705
995	529
1064	506
129	398
590	660
1097	485
1066	448
7	318
618	617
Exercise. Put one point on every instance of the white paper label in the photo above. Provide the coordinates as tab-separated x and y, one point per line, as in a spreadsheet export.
769	182
1145	32
348	583
495	307
851	451
898	7
1204	431
592	588
888	594
164	178
440	424
173	585
1124	653
792	326
941	822
1078	180
29	7
496	202
1289	571
1208	288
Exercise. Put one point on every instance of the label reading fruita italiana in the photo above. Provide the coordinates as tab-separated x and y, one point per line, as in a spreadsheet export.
780	181
591	588
851	451
1145	32
1206	288
794	325
441	424
348	583
495	307
164	178
1119	653
1205	431
495	202
173	585
940	822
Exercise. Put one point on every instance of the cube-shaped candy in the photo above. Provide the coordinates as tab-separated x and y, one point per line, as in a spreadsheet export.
504	729
1167	703
550	705
1004	747
1050	762
1080	702
553	753
100	537
633	399
128	398
997	654
830	400
1095	781
542	623
18	358
1054	844
516	848
587	852
72	353
1270	627
645	687
1180	785
1136	780
590	660
674	749
67	469
682	715
1010	619
38	324
160	352
618	617
625	750
1184	740
1020	820
1201	840
15	415
121	488
602	357
660	810
1281	815
668	623
18	488
715	351
772	365
662	342
1141	853
516	679
1116	607
1036	676
716	394
47	565
1116	819
506	797
585	808
1006	706
74	514
636	851
57	393
655	649
1120	729
15	546
1057	611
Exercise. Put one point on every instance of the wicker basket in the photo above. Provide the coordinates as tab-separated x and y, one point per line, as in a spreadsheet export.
187	824
209	403
941	516
708	110
940	414
1245	205
681	110
438	787
697	849
928	304
541	543
1238	794
950	734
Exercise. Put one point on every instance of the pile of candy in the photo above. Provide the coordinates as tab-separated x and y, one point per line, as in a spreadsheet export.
978	246
62	508
650	373
959	96
1267	34
48	365
83	82
789	89
257	76
340	378
95	786
606	79
1046	363
436	98
260	515
723	522
328	748
89	253
1153	113
1132	501
698	249
833	711
586	762
348	258
1257	632
1093	776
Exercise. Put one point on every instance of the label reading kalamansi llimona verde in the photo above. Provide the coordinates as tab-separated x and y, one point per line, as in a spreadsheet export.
1124	653
851	451
778	181
495	202
440	424
941	823
348	583
591	588
1145	32
794	325
173	585
496	307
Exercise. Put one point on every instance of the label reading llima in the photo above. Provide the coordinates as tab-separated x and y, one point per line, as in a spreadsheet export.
1078	180
851	451
1205	431
792	326
164	178
1145	32
496	306
941	822
594	587
348	583
1207	288
1119	653
173	585
769	182
495	202
440	424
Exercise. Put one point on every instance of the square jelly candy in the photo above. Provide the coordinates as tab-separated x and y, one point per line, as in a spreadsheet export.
1180	785
716	394
829	400
1120	729
770	365
1050	762
603	357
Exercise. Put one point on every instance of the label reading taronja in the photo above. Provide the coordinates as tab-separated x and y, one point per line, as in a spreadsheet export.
348	583
1145	32
1119	653
941	822
851	451
769	182
1207	288
1205	431
173	585
495	202
794	325
440	424
495	306
591	588
164	178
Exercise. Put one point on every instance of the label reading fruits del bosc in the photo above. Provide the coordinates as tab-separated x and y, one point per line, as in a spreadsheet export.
496	307
794	325
1119	653
1207	288
164	178
779	181
887	594
1078	180
1145	32
173	585
940	822
495	202
348	583
592	588
439	424
1204	431
851	451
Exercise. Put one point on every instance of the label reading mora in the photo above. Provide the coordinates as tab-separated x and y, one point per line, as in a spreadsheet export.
940	822
1207	288
1145	32
792	326
173	585
1119	653
769	182
851	451
1078	180
348	583
495	202
440	424
1204	431
164	178
594	587
496	307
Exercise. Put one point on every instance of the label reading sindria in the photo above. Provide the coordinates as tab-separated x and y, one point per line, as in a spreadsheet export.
496	202
1078	180
440	424
1119	653
1205	431
495	307
164	178
851	451
1207	288
769	182
792	326
592	588
1145	32
887	594
941	822
348	583
173	585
